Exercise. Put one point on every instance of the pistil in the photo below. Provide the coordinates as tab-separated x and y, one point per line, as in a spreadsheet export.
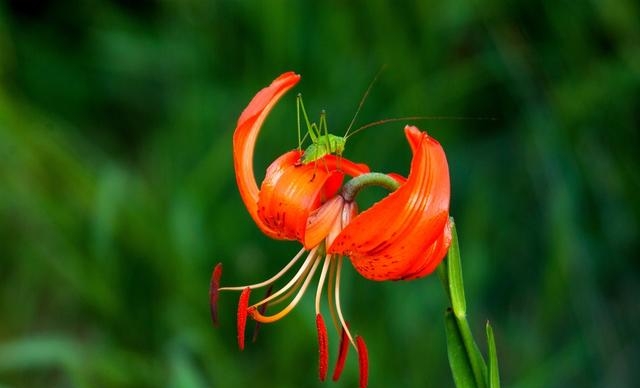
337	300
353	187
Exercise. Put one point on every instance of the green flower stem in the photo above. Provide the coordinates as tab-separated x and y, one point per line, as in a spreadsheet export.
353	187
460	337
468	367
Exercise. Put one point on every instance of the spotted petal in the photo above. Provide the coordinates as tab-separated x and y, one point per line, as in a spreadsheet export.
290	192
244	141
406	234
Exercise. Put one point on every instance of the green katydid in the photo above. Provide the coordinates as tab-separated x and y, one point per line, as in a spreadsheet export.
324	143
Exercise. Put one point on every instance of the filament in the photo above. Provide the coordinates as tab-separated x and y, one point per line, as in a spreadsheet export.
330	288
272	318
292	289
323	274
310	258
268	281
337	299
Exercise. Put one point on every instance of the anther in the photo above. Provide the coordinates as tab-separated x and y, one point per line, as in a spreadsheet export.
213	292
323	348
363	361
342	355
243	305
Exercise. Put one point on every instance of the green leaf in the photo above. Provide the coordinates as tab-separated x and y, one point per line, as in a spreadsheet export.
183	372
458	360
478	365
39	352
456	284
49	351
494	375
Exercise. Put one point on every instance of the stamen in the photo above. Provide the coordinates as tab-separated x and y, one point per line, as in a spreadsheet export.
323	348
311	258
268	281
262	309
242	315
338	308
214	287
363	362
330	298
268	319
342	355
323	274
291	290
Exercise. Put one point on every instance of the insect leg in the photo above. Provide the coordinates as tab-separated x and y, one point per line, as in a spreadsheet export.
327	140
310	127
298	102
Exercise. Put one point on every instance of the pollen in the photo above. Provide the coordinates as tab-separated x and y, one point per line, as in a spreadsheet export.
323	348
242	315
342	355
363	361
213	293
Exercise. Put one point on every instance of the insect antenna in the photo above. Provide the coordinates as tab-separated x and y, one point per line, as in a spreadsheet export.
298	99
393	120
362	100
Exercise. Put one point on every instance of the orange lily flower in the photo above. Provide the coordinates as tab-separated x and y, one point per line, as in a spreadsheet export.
403	236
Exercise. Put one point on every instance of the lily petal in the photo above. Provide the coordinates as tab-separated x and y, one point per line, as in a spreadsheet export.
244	141
405	234
290	192
333	162
431	257
322	220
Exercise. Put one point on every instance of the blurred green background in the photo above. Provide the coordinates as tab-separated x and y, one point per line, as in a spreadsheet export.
117	193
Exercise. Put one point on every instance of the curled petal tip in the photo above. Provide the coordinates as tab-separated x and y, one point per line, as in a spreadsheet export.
268	96
245	136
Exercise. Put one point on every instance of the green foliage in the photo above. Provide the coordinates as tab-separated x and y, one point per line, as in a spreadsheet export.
494	372
469	360
459	362
117	194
